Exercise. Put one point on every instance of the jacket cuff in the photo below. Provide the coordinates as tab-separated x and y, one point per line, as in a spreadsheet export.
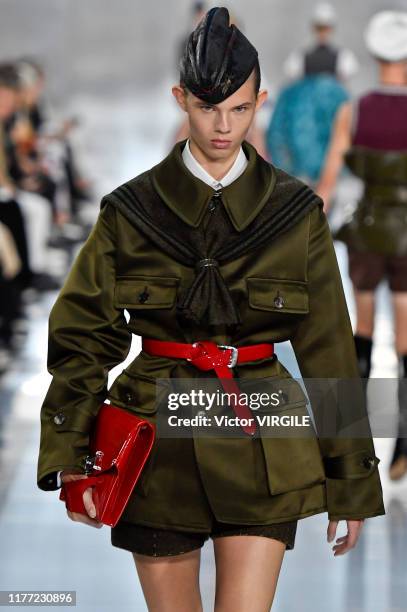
345	502
51	480
65	450
359	464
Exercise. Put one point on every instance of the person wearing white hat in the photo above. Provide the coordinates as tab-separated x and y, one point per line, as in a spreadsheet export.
370	135
386	36
322	56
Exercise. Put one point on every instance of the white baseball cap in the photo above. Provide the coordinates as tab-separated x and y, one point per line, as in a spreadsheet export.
324	14
386	35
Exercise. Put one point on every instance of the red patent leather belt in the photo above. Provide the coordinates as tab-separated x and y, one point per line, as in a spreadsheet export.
207	355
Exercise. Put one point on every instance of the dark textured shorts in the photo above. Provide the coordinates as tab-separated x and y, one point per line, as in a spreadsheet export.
157	542
366	270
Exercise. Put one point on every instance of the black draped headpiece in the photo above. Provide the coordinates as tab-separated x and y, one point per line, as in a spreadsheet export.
217	58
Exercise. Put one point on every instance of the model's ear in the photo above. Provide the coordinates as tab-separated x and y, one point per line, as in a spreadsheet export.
261	98
179	94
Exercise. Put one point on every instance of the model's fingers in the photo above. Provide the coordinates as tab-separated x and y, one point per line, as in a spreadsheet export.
88	502
83	518
70	476
354	530
342	539
331	531
340	549
346	543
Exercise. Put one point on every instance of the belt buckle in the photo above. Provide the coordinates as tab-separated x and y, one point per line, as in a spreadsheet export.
233	358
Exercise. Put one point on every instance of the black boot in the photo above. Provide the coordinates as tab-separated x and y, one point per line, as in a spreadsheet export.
398	464
363	346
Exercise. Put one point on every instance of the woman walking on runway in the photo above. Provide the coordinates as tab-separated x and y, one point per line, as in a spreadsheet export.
216	255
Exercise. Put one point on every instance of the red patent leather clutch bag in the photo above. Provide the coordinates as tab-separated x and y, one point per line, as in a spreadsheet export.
120	443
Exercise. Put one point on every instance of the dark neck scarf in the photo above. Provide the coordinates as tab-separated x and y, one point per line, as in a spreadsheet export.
158	204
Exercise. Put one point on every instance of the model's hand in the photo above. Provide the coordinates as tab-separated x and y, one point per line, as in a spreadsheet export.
325	194
347	541
87	502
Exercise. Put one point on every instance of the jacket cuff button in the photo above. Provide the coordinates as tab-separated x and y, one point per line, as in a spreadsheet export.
59	418
368	462
128	397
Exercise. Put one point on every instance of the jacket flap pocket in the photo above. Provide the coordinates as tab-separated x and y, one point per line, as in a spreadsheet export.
278	295
273	394
292	463
145	291
139	394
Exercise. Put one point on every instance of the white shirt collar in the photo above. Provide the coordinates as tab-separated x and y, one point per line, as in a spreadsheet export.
199	171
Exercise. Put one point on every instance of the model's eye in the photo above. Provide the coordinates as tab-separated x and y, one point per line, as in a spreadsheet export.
206	108
241	109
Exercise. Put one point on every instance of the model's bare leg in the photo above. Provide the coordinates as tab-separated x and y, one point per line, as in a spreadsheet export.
400	320
170	584
398	463
365	306
247	570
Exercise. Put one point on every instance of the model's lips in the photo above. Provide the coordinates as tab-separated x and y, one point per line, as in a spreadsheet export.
221	144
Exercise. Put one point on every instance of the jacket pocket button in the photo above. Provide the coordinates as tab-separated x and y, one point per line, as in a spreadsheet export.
283	396
59	418
143	296
279	301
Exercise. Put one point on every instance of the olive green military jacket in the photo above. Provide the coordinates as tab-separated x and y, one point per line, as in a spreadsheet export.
188	480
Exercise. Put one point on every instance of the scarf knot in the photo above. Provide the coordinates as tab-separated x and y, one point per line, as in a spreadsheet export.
206	262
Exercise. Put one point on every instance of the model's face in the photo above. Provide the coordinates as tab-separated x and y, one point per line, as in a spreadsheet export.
323	33
8	102
219	129
32	93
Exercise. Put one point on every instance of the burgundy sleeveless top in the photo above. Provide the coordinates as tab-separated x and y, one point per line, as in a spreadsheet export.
380	119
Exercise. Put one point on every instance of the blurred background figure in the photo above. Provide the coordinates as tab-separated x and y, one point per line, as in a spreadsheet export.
299	130
42	158
40	192
198	11
370	135
14	278
300	126
323	56
10	266
53	140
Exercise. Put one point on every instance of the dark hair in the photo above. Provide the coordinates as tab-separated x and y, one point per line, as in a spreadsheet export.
9	76
257	76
